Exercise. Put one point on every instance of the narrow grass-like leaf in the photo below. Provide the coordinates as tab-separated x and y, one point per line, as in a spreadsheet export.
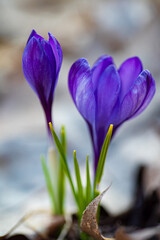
102	158
61	180
64	160
53	166
88	183
63	139
79	183
59	146
49	184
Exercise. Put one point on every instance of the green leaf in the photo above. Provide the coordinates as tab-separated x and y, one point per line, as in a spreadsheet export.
63	140
53	166
102	158
88	184
59	147
61	174
49	184
64	160
79	183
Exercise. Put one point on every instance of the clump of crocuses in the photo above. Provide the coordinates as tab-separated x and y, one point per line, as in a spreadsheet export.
42	60
106	95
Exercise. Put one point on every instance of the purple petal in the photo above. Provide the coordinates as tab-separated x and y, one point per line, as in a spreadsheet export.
128	72
98	68
81	89
151	89
34	34
107	94
138	97
37	69
57	51
48	50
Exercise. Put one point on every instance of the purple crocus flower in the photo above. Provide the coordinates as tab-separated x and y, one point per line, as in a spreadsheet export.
104	95
41	63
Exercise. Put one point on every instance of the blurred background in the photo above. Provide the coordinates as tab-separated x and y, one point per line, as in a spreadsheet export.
121	28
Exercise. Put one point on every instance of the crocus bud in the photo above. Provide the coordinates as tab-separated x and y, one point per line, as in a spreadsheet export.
42	60
104	95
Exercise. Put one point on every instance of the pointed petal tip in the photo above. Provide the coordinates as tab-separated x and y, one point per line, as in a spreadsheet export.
34	34
52	39
57	51
34	31
33	40
50	35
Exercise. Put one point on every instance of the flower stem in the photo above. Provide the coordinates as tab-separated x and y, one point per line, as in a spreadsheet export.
48	116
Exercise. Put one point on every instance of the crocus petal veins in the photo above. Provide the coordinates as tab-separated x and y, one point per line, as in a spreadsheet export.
104	95
41	64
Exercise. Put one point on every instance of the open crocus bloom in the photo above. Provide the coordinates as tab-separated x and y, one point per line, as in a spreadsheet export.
104	95
41	63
